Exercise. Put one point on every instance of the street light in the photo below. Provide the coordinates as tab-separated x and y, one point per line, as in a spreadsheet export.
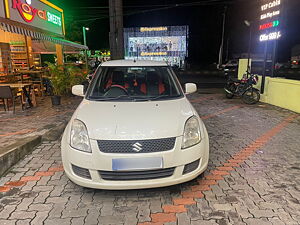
84	29
248	24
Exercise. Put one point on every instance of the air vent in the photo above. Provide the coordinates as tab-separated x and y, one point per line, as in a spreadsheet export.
188	168
81	172
136	175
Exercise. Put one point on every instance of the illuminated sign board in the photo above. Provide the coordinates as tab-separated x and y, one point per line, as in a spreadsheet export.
270	20
37	13
269	25
165	43
270	5
149	29
269	15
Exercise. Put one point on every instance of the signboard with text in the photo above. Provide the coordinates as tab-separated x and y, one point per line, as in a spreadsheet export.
37	13
166	43
270	27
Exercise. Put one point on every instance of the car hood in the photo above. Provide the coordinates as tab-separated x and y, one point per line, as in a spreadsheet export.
134	120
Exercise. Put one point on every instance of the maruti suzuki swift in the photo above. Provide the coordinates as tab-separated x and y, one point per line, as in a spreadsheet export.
134	129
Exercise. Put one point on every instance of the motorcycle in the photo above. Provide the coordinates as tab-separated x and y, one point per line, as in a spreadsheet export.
243	88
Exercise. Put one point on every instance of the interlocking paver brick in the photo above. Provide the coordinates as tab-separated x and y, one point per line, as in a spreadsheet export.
111	220
6	211
183	219
8	222
22	215
255	221
24	222
40	217
163	217
184	201
56	221
174	208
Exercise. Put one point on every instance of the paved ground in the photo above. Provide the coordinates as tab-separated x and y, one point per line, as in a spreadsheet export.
253	178
34	121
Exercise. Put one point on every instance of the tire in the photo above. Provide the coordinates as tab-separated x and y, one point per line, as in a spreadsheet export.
229	96
230	87
251	96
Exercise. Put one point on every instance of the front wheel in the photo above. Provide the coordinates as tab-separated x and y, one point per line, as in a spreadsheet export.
251	96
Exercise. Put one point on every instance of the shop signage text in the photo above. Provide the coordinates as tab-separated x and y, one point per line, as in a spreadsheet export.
29	13
269	15
270	36
269	25
147	29
270	5
270	21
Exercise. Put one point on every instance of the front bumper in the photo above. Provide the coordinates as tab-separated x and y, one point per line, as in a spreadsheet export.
98	161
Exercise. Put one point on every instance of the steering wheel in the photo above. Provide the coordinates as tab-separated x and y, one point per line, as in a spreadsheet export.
120	87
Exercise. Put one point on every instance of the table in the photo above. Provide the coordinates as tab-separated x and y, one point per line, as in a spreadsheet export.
35	80
24	87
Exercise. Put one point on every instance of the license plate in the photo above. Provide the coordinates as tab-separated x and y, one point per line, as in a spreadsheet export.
137	164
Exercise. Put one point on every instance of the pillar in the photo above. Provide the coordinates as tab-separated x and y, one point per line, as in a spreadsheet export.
59	54
29	50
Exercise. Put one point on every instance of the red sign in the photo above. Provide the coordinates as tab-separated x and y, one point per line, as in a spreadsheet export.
27	12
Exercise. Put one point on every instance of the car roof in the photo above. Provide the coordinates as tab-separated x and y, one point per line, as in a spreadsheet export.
114	63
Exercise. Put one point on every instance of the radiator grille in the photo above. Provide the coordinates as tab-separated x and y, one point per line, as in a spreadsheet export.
136	146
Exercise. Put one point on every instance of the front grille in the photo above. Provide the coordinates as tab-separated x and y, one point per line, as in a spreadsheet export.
188	168
136	175
136	146
81	172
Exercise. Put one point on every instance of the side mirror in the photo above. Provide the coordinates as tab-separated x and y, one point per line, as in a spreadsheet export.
78	90
190	88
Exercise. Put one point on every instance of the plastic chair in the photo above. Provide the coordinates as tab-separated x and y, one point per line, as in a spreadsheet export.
7	93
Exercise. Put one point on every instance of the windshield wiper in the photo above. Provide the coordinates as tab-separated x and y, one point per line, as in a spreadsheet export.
109	98
163	97
125	97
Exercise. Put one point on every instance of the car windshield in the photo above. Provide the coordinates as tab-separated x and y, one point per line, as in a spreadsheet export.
134	84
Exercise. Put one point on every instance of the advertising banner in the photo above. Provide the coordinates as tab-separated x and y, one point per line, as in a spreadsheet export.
157	43
270	23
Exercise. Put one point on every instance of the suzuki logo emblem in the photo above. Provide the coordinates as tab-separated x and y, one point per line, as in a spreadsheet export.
137	147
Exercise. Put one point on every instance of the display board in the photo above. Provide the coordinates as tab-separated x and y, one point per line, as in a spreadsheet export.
37	13
157	43
270	23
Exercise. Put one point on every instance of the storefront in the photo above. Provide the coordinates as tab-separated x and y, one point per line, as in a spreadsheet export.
25	26
169	43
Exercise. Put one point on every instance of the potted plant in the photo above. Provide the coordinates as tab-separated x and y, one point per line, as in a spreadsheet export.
62	79
60	82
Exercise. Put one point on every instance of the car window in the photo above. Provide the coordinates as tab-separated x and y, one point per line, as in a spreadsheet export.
134	83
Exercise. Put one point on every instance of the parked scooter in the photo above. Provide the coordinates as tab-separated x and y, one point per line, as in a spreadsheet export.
243	88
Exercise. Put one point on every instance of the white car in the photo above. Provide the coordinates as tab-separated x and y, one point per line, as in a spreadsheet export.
134	129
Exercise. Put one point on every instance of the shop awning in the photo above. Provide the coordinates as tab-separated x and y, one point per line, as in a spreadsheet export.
38	35
46	47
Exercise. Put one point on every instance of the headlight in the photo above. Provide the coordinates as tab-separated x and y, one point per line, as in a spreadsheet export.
79	137
192	133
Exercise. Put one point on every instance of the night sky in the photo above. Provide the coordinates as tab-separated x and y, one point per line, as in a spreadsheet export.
205	24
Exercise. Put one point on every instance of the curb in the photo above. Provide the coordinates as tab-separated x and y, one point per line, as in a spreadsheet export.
12	154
